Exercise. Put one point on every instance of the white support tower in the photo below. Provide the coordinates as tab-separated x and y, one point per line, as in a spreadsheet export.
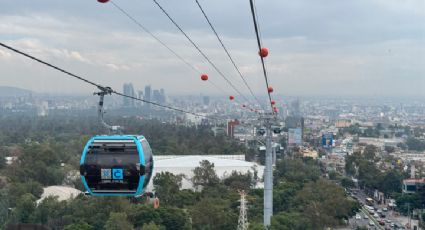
268	173
243	217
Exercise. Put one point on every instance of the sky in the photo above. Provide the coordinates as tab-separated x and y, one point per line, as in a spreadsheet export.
317	47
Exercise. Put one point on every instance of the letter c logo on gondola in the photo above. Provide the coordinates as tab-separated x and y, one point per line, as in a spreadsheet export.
117	174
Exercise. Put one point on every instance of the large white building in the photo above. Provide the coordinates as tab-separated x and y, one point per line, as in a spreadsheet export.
61	192
185	164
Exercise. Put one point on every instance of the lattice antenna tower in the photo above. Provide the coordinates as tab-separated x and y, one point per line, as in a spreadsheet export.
243	217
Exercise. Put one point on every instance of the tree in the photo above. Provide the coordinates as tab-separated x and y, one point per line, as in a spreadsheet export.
403	201
389	149
18	189
415	144
370	152
186	197
347	182
48	211
368	174
333	175
209	214
118	221
167	185
290	221
351	163
391	182
39	162
403	146
284	194
296	170
4	205
255	226
174	218
323	203
239	181
151	226
169	217
2	161
140	215
79	226
25	208
205	175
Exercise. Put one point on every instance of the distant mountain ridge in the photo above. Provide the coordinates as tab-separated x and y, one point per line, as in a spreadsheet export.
8	91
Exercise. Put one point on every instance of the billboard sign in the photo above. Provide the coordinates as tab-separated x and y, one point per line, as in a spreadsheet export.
327	140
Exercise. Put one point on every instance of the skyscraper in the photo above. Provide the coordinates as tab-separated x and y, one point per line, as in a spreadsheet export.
162	91
140	97
128	90
156	96
148	94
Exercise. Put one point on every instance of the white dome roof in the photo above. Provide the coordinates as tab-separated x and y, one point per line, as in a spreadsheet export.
62	192
193	161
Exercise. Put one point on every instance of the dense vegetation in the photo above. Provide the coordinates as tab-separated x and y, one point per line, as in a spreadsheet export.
48	150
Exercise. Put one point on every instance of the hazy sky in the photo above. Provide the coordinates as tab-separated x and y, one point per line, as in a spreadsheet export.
317	47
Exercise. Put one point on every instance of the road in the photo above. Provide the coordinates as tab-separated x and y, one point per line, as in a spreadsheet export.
389	219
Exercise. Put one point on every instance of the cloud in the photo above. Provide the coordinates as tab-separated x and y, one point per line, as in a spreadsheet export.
343	47
5	54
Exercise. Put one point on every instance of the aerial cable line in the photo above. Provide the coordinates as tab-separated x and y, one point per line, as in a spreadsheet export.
227	52
155	37
254	17
145	29
200	51
103	88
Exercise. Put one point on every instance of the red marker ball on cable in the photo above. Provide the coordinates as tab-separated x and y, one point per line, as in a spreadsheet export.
204	77
270	89
103	1
264	52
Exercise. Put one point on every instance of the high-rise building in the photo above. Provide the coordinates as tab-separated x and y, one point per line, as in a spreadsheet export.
163	100
295	108
140	96
148	94
128	90
231	128
156	96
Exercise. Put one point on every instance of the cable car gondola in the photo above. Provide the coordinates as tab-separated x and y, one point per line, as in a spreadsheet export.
118	165
115	165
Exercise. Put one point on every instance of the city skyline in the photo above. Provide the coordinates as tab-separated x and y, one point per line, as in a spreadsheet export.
370	51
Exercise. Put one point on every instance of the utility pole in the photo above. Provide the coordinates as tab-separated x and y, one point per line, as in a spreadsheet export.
268	172
243	217
408	213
